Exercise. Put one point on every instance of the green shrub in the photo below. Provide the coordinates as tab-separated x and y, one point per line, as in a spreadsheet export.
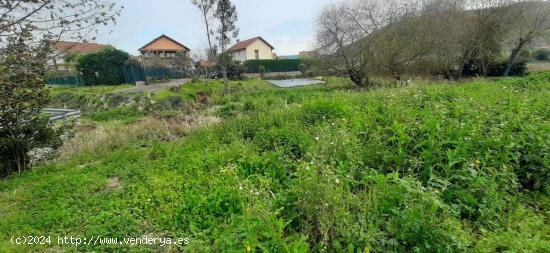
523	231
532	167
497	69
104	67
231	109
262	70
126	114
542	55
390	214
220	205
173	102
270	164
322	110
292	141
303	68
475	196
23	128
116	100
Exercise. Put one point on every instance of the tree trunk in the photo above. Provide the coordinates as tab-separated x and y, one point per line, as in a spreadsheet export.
484	68
510	63
225	81
20	158
514	56
210	55
356	79
458	74
465	59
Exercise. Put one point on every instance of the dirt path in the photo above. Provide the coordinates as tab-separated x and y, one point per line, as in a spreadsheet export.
153	87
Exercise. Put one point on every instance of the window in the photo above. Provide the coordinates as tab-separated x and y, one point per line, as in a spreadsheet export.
257	52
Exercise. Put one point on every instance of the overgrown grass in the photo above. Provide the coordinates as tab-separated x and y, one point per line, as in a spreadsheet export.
427	168
191	92
87	90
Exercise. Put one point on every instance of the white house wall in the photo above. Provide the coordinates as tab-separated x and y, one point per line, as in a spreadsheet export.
265	51
240	55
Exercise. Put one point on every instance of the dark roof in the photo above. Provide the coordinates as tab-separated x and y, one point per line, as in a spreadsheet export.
77	47
245	43
164	36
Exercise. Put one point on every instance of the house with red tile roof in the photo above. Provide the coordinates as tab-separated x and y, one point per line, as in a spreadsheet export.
78	47
252	49
163	47
65	49
164	51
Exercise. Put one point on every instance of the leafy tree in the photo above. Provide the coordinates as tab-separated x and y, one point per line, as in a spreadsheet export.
24	27
22	95
104	67
226	14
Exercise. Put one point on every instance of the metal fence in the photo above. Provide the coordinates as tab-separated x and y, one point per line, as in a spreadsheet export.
135	71
65	80
61	114
162	73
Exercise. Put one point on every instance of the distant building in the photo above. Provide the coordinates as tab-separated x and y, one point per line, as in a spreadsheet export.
252	49
308	54
164	51
288	57
64	50
206	64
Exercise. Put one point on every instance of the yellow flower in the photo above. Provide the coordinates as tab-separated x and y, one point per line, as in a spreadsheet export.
367	249
248	248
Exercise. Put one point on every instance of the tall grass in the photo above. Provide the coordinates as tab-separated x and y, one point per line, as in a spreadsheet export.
427	168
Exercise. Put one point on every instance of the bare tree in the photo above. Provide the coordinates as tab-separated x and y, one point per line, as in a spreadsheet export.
529	21
443	22
347	31
487	32
55	19
206	8
362	38
226	14
400	45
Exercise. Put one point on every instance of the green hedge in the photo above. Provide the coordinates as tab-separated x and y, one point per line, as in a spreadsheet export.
108	63
287	65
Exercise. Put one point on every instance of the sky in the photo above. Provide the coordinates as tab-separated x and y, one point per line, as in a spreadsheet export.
289	25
